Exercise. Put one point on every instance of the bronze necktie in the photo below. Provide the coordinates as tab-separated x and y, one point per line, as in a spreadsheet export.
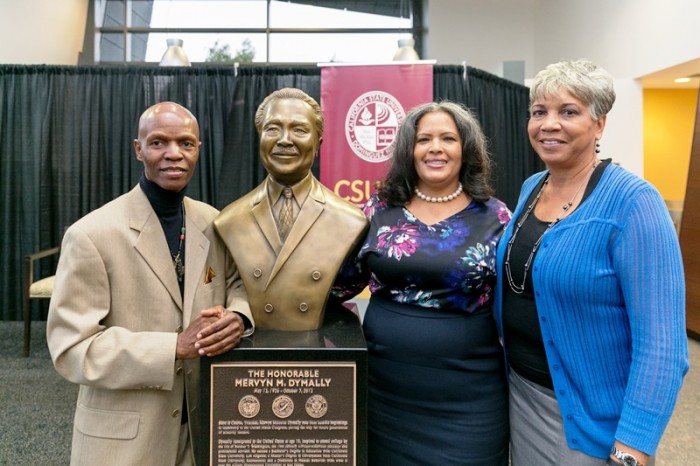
284	223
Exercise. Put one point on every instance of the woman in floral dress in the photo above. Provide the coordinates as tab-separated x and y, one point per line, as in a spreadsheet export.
437	386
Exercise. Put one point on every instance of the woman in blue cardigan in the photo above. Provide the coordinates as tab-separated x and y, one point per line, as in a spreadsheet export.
591	293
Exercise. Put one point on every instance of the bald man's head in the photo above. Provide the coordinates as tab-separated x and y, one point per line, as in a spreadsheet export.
168	145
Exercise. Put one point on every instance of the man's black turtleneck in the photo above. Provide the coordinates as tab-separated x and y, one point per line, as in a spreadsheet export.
168	208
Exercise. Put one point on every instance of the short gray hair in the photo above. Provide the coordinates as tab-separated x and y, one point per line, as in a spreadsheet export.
583	79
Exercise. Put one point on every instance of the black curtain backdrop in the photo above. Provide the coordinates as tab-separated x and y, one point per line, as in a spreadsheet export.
66	141
502	108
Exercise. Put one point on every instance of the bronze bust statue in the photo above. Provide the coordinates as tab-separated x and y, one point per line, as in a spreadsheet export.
288	271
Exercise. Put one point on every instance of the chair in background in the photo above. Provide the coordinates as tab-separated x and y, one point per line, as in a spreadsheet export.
35	289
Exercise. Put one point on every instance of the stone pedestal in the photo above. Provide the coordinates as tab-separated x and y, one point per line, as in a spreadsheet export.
288	398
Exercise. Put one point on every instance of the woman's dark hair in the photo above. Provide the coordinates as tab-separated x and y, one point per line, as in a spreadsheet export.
475	173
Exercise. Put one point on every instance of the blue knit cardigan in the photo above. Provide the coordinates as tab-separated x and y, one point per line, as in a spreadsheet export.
610	295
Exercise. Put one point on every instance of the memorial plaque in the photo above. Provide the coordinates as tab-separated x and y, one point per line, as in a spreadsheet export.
283	413
288	398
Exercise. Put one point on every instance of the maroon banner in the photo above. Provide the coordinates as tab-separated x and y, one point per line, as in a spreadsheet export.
363	106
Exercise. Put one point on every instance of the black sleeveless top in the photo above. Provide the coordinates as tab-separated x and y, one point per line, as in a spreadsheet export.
521	325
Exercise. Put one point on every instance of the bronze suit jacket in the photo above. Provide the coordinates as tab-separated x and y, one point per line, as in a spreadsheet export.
114	317
288	283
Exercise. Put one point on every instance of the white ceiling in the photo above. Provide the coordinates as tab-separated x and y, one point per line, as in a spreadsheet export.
663	79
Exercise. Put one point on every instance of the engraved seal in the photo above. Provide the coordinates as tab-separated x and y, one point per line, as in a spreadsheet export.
282	406
371	125
316	406
249	406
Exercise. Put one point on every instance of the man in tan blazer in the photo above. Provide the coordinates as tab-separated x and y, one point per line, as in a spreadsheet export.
288	270
137	302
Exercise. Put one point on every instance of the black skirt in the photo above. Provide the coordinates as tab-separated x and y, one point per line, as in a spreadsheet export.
437	387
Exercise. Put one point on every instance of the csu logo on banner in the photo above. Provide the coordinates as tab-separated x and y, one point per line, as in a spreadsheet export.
371	125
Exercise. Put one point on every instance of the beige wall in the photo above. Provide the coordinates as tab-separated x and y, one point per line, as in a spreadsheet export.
482	33
47	32
630	38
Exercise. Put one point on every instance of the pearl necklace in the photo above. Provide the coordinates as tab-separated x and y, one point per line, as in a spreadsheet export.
519	289
452	196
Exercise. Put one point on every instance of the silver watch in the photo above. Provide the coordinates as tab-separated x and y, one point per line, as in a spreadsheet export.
626	459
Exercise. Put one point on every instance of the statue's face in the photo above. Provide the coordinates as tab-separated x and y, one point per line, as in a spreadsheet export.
288	140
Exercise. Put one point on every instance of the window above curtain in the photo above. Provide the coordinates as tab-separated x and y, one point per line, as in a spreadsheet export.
252	31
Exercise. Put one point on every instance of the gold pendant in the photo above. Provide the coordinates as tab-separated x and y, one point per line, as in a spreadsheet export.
179	268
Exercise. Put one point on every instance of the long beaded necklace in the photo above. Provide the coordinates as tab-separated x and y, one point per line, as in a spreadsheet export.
519	289
177	258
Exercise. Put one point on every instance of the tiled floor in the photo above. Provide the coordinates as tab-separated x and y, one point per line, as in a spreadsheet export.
680	444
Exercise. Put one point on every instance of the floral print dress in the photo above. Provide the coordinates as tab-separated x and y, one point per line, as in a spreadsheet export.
437	388
448	265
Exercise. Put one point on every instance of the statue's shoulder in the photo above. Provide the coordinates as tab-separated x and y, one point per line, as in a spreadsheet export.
344	211
241	206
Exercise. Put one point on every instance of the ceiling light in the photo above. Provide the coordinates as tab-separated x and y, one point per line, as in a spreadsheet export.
406	52
681	80
174	55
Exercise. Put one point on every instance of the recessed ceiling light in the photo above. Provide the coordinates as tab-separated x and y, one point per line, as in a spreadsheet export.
681	80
